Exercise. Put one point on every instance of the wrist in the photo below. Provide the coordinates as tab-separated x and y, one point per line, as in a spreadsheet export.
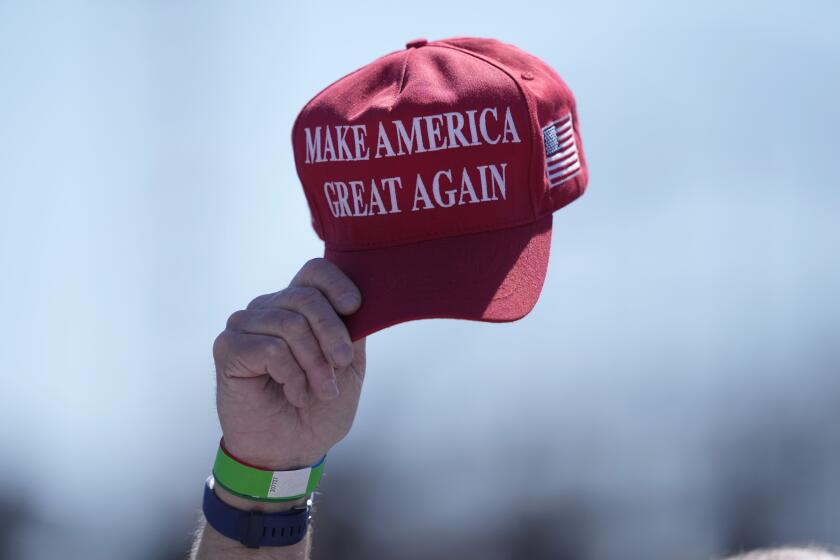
257	458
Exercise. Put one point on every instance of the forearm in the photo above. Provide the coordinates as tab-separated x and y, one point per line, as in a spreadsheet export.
210	545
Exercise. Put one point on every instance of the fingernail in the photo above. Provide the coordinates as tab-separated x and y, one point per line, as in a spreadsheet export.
330	388
342	354
349	300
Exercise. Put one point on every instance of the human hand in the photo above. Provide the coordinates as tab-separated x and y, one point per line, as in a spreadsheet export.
288	376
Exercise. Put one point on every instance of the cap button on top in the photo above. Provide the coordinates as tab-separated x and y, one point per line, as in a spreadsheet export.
414	43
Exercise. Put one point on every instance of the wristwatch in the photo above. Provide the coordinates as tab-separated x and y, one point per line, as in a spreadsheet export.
255	528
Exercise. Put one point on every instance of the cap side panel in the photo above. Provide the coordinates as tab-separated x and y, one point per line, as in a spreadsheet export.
553	100
570	191
574	188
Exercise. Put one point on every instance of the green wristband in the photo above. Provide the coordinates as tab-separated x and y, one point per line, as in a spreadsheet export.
264	485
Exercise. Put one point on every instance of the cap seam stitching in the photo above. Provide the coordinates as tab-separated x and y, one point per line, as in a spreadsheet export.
440	234
402	76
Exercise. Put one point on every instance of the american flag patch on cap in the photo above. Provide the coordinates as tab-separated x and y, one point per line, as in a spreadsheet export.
561	152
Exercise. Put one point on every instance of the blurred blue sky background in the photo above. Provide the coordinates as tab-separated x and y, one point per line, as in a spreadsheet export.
686	342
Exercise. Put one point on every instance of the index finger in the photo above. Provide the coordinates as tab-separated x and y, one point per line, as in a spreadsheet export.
323	275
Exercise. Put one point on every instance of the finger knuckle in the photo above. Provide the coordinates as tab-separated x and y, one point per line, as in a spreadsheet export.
236	318
314	264
221	345
279	359
275	349
321	367
305	296
293	323
325	322
259	301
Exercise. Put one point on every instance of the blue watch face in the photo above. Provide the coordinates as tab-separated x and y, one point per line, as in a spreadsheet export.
254	529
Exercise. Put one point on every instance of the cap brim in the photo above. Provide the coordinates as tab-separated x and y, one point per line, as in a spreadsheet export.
493	276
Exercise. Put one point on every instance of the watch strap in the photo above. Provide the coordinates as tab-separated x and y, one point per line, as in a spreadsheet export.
254	529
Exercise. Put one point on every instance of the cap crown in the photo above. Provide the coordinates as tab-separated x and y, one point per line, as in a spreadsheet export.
446	138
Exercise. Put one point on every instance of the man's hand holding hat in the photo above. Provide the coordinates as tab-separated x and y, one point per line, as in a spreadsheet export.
288	376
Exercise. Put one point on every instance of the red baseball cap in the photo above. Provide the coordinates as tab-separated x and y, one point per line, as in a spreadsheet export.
432	174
